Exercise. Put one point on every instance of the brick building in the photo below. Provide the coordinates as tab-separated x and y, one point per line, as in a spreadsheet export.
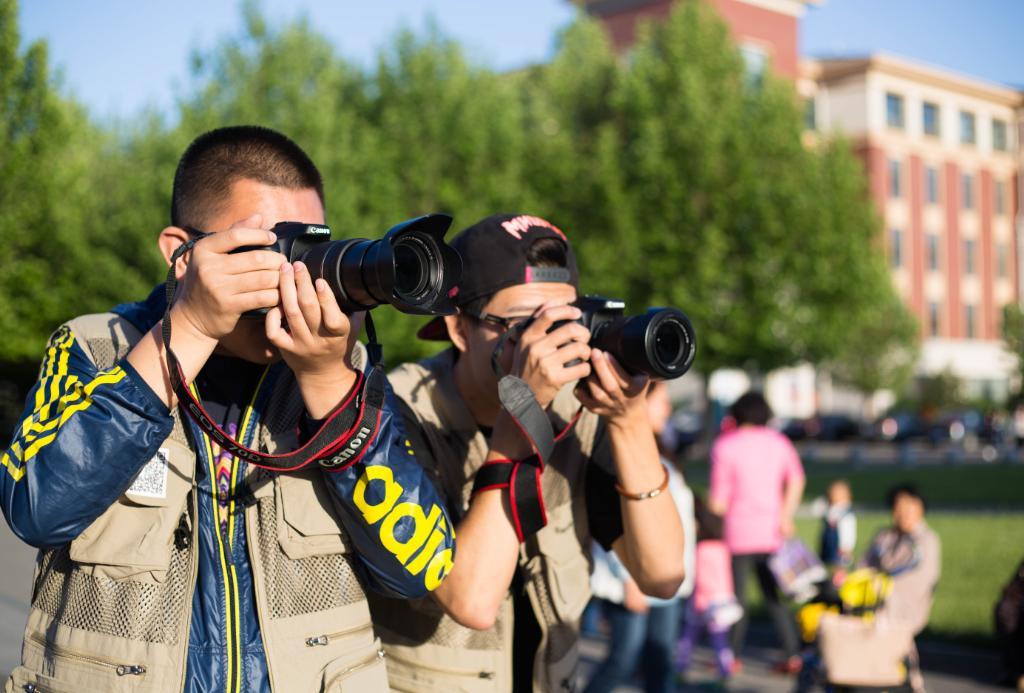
942	155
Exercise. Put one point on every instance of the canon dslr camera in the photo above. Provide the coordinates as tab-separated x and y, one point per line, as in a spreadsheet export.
660	342
411	267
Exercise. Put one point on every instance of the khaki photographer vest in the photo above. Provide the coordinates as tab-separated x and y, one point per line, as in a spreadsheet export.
111	611
428	652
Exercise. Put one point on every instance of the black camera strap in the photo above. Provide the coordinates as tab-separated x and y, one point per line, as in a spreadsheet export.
522	478
342	439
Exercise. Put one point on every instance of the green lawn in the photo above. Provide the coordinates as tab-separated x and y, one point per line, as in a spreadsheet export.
979	553
980	549
975	486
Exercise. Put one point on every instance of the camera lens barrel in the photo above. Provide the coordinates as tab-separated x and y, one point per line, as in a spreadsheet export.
660	342
411	268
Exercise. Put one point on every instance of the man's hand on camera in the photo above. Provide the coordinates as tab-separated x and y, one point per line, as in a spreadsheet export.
216	287
540	357
314	337
613	393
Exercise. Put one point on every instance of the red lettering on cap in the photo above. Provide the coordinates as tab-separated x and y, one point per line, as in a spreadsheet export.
517	226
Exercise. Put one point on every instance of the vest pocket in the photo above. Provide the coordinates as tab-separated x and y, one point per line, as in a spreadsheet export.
70	671
24	680
135	535
566	567
307	525
416	675
361	670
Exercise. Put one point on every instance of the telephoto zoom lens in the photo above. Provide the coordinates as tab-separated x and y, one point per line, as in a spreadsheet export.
411	268
660	343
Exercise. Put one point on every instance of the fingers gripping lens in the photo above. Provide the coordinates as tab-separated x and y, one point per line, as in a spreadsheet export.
411	267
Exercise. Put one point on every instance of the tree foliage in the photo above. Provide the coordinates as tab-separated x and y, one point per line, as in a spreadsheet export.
680	180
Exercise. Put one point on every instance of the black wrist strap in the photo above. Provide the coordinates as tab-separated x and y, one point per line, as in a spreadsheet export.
341	441
522	478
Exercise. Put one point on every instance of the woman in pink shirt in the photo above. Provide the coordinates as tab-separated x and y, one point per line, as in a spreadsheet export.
756	484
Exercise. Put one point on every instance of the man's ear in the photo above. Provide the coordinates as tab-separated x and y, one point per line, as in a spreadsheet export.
456	325
170	239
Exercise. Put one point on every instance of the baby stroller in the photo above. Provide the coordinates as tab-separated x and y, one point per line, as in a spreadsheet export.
846	646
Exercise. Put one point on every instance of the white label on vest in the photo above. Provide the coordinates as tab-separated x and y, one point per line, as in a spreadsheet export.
152	480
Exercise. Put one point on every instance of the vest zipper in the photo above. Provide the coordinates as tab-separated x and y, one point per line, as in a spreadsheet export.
327	637
119	669
373	658
443	670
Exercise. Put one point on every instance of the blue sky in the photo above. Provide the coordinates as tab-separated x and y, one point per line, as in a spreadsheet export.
120	55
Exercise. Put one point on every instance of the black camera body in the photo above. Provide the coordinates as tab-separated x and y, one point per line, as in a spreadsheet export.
660	342
411	267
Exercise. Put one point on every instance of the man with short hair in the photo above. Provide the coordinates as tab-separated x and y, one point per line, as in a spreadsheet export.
507	617
167	562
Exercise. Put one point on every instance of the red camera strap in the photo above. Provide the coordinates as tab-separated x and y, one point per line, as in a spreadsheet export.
522	478
342	439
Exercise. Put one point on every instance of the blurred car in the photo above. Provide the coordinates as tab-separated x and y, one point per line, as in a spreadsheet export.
959	424
899	426
794	429
824	427
833	427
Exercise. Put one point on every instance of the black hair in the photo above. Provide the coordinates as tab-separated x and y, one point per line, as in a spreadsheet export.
751	408
547	252
543	252
904	489
219	158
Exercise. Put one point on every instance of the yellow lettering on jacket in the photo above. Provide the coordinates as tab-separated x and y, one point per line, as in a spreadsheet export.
421	524
436	537
428	530
373	512
437	569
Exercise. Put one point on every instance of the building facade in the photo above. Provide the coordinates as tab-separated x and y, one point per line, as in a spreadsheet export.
942	157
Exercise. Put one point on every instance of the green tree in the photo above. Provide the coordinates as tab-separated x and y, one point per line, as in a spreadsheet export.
1013	338
58	251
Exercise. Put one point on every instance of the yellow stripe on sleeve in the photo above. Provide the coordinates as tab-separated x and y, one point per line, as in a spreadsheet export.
31	442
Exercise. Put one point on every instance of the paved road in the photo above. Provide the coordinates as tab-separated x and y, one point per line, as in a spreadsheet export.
947	669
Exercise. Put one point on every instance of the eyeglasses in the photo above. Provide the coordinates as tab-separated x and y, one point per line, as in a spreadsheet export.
505	324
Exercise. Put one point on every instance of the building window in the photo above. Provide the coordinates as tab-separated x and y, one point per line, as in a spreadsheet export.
1000	197
930	118
1002	260
999	141
896	248
931	185
755	62
967	127
894	111
969	256
810	114
933	319
967	183
969	327
933	252
895	186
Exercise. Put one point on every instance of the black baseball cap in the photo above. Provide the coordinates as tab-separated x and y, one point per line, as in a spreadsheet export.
494	257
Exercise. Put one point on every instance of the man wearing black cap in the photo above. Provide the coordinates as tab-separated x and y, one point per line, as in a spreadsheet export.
562	453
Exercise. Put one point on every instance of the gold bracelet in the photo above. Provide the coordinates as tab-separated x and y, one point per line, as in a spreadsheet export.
646	494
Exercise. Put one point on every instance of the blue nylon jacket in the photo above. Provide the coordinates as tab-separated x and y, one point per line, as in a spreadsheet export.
84	436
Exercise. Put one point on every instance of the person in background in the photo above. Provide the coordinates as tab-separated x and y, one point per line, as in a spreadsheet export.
910	553
714	607
644	629
757	482
838	529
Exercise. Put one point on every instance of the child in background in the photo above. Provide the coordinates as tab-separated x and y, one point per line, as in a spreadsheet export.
839	528
713	606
